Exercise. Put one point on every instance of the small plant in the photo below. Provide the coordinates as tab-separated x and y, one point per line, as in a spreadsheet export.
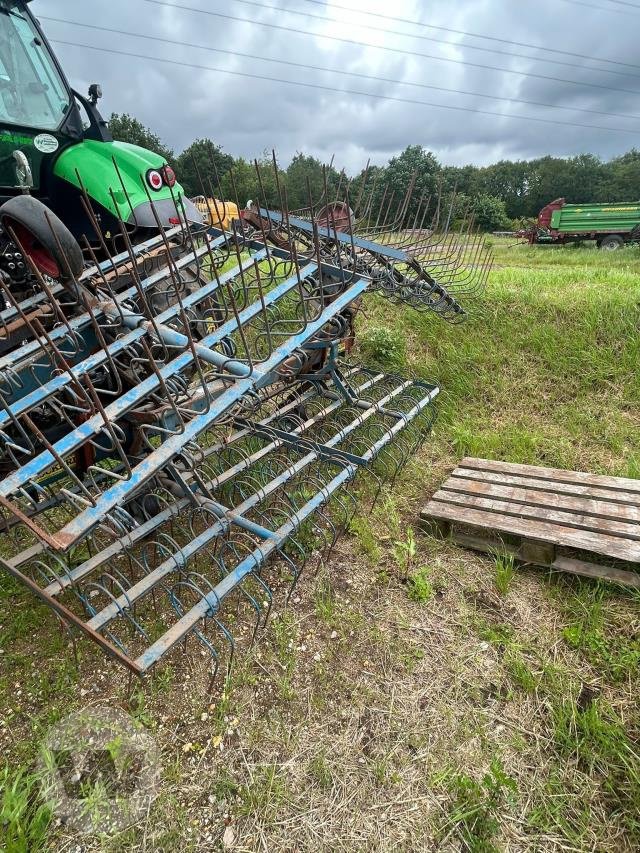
319	769
405	553
633	467
419	586
325	601
519	671
595	738
361	527
614	652
505	569
475	807
264	793
384	346
24	820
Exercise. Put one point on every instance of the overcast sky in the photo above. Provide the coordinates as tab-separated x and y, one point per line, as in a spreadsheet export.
247	115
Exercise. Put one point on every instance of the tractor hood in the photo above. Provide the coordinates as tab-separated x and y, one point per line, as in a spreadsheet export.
114	174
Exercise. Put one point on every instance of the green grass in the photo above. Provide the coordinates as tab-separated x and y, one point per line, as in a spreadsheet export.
602	636
544	372
24	819
505	569
545	369
599	743
475	806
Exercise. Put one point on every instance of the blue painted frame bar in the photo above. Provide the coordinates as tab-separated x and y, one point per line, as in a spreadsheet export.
43	392
121	491
210	604
340	236
129	399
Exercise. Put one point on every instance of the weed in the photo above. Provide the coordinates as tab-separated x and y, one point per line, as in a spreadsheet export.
264	792
561	808
320	771
383	772
411	657
404	552
139	710
633	467
284	641
611	650
519	671
475	806
500	636
361	527
224	786
599	743
324	601
419	586
383	346
505	568
24	820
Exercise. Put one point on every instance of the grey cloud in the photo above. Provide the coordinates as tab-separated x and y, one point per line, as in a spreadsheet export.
247	116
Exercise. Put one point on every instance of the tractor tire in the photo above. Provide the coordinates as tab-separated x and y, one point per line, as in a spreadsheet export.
42	237
611	242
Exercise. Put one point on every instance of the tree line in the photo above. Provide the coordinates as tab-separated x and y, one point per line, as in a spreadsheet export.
501	196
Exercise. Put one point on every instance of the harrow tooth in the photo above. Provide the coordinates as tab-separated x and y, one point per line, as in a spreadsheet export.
181	420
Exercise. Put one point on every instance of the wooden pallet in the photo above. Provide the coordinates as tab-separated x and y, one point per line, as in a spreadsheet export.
539	514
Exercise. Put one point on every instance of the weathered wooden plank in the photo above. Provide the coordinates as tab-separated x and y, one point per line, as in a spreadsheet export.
549	486
536	529
618	483
436	527
584	506
593	570
621	529
527	550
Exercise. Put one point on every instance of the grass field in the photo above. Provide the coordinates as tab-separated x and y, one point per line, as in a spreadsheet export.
413	696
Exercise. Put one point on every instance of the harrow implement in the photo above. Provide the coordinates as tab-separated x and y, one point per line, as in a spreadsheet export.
182	419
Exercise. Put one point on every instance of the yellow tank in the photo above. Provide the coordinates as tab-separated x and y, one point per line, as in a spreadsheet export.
218	214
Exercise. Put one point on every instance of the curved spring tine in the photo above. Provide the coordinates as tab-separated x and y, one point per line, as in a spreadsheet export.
125	612
296	571
180	610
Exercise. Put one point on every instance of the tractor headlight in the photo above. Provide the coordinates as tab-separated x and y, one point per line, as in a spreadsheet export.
154	179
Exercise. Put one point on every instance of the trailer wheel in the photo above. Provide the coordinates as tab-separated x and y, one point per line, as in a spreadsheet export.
611	242
43	237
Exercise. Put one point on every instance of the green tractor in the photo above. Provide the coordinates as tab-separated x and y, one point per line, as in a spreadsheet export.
54	159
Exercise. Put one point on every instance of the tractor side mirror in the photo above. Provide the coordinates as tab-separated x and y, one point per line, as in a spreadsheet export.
24	176
95	93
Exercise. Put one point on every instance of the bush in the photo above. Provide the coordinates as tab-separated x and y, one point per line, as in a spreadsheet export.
489	213
384	346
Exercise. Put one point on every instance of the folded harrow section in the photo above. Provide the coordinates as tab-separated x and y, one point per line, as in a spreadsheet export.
259	491
181	423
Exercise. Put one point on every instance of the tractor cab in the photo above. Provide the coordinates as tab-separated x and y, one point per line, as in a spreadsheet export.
56	147
39	115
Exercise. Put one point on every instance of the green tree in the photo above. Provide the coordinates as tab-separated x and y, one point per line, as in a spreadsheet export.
306	175
621	178
201	166
489	213
414	167
255	181
510	181
126	128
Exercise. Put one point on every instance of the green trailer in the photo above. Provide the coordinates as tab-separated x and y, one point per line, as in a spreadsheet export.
610	225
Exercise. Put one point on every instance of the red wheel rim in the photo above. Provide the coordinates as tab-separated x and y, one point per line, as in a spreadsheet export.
33	248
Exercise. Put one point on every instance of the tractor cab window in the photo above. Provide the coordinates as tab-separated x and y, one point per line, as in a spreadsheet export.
32	92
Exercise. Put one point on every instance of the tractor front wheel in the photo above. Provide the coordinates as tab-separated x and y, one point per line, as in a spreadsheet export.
42	237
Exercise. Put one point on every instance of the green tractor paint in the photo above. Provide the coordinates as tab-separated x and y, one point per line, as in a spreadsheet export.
63	159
